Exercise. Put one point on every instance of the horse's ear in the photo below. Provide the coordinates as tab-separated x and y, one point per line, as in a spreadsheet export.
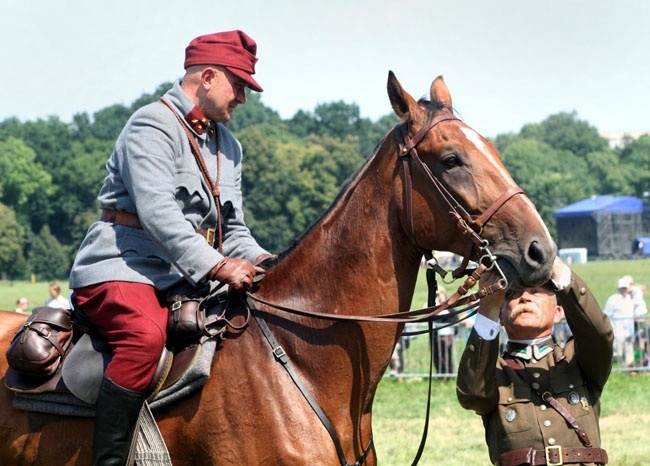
440	93
402	102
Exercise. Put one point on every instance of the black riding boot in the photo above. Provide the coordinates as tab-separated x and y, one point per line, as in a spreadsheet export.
117	412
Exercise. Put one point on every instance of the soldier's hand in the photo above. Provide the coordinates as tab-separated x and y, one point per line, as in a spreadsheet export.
237	273
491	304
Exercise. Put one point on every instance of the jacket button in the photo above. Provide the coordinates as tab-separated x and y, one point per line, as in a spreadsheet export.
551	441
191	271
583	291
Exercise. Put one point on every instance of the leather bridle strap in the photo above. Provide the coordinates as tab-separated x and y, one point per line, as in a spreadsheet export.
467	224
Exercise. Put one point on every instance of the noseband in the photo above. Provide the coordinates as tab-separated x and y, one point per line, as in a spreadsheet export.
468	225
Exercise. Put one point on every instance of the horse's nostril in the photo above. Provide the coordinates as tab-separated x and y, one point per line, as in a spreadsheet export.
536	252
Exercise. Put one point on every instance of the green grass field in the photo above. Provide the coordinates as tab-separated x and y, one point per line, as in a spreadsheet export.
37	293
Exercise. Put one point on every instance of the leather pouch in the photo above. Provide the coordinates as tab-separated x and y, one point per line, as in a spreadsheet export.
186	318
40	343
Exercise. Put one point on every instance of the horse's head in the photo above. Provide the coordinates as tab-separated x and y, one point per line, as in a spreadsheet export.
457	194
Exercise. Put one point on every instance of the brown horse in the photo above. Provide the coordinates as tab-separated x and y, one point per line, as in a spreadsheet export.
360	258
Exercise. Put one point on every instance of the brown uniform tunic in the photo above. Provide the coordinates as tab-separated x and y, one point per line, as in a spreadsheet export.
514	415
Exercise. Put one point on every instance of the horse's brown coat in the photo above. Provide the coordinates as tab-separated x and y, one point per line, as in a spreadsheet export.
357	259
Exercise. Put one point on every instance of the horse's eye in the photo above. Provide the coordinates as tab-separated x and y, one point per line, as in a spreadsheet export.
450	161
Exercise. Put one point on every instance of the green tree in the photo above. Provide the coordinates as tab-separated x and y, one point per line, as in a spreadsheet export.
288	183
48	259
109	121
635	162
25	185
77	183
560	182
253	113
564	131
12	242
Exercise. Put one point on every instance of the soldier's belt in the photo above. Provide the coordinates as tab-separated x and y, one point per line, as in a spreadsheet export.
554	456
128	219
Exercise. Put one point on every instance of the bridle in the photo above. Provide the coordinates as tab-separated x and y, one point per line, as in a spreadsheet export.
469	225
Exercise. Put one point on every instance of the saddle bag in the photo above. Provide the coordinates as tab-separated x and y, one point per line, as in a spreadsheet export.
40	343
186	318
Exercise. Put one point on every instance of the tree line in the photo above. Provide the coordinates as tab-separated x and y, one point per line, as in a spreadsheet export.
51	172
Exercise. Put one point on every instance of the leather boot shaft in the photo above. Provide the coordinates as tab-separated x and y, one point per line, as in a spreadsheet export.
117	411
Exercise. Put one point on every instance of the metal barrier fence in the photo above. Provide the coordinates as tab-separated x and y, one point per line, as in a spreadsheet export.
412	355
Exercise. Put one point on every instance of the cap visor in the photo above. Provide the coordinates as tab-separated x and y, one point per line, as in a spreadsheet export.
247	78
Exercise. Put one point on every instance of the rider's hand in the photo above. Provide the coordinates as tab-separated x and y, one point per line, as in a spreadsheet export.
237	273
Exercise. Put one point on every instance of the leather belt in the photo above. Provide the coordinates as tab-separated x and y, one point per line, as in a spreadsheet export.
554	456
121	218
128	219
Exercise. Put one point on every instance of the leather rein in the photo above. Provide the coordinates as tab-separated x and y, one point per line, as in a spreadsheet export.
467	224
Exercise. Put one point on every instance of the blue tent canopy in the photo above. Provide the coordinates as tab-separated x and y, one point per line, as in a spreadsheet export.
601	204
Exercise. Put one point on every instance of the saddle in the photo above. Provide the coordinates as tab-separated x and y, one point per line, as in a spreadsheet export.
74	387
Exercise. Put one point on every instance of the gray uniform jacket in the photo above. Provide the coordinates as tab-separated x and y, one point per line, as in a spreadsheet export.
513	414
153	173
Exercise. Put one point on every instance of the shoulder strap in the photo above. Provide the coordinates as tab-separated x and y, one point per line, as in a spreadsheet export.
550	399
214	186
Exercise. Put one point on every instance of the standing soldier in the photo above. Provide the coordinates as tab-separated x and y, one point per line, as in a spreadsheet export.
540	402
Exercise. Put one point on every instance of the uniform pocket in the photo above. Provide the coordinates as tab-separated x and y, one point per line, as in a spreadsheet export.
190	195
516	411
569	388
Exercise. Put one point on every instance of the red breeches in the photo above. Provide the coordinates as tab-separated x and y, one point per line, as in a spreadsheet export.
133	319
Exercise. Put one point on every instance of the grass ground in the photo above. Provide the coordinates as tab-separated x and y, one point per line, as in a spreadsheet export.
37	293
456	436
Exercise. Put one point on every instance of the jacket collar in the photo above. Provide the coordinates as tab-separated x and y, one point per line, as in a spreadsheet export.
184	106
530	351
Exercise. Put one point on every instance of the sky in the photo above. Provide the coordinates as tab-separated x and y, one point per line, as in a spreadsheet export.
507	63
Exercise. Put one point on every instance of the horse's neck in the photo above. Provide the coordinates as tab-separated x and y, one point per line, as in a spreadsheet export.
357	253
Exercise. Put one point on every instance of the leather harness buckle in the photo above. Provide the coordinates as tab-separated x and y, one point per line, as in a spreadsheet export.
547	452
209	236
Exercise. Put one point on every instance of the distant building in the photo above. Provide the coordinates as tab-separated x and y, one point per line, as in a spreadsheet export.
616	139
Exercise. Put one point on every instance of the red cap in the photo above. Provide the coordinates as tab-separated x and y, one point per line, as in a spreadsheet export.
233	49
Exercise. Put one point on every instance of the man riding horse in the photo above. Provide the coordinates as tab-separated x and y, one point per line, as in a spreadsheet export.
158	210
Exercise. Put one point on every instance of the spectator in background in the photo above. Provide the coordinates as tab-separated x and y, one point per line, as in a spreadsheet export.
56	300
622	308
21	304
443	340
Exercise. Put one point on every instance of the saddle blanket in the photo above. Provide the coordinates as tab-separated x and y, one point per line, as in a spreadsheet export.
66	404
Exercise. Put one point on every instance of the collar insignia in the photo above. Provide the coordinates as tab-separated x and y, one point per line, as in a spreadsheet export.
199	123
